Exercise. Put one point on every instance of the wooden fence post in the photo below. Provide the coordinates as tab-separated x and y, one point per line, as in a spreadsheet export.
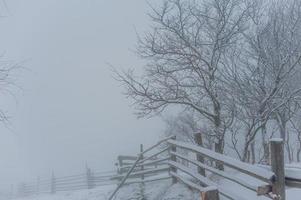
211	194
199	157
53	185
277	163
120	163
22	190
142	175
142	167
12	191
173	148
38	185
89	178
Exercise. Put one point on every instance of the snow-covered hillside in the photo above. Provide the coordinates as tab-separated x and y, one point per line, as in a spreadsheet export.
162	190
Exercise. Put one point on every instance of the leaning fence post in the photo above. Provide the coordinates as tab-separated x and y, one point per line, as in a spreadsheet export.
173	148
53	186
277	163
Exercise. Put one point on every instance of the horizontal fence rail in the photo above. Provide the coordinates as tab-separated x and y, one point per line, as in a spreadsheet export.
228	161
267	177
292	175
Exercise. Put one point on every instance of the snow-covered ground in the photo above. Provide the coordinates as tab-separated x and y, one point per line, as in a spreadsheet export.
162	190
100	193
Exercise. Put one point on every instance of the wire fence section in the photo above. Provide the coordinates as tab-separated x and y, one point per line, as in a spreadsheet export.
88	180
153	166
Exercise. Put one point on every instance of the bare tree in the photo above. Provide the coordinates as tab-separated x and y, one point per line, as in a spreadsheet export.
185	54
297	127
262	70
277	48
8	71
231	64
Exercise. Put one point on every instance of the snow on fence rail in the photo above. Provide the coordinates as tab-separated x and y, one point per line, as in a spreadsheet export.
228	161
292	174
200	175
194	171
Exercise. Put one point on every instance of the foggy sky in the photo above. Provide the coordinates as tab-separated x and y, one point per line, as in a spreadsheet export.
70	110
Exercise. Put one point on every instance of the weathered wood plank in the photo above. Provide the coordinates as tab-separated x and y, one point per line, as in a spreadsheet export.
292	183
159	143
187	182
205	181
153	155
210	195
147	180
158	162
145	172
264	190
246	168
122	157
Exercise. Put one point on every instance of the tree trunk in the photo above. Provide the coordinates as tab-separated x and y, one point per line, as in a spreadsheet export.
299	149
288	149
282	125
219	135
283	134
253	154
265	145
246	153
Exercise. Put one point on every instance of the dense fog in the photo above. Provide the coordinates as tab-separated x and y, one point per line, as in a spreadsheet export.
66	109
151	99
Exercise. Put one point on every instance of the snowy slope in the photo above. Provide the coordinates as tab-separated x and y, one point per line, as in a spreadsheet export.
162	190
100	193
151	191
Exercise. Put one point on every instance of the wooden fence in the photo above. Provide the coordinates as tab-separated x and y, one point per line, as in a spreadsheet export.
183	162
192	165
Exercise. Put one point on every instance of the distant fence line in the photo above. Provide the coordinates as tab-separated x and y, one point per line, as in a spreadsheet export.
90	179
87	180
